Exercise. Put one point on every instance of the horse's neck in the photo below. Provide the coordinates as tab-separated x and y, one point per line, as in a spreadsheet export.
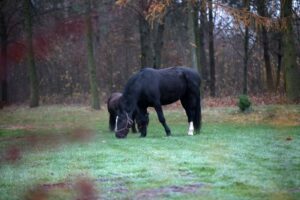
131	94
130	103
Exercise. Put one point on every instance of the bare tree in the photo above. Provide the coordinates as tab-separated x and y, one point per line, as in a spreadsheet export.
211	49
192	28
246	52
200	36
34	88
262	11
151	30
292	72
3	57
91	58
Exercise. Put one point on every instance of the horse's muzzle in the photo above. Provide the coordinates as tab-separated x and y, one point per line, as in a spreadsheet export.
120	135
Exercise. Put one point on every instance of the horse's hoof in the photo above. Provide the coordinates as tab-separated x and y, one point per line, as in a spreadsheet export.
190	133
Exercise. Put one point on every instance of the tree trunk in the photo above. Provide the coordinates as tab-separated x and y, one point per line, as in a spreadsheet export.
110	58
211	50
261	8
269	75
126	54
279	61
191	34
246	53
91	59
292	73
246	56
197	34
146	43
201	44
34	92
158	43
3	60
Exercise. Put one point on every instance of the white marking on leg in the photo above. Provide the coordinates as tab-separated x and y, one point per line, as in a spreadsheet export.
116	126
191	129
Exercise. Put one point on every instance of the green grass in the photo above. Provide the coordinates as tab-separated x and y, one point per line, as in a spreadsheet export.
236	156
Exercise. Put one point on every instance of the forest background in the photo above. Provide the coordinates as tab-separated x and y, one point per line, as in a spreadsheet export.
63	51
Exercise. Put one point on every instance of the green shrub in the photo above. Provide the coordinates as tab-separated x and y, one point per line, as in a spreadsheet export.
244	102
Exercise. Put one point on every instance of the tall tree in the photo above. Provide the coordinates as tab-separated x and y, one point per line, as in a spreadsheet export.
3	58
200	37
192	28
279	59
262	11
292	72
34	89
91	58
246	51
211	50
151	33
145	41
158	42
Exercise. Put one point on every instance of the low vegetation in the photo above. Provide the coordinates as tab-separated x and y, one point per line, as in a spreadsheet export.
67	152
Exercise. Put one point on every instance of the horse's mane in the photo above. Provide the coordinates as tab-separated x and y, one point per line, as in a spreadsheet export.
129	93
129	84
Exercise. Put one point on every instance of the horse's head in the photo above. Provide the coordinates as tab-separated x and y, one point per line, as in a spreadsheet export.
123	124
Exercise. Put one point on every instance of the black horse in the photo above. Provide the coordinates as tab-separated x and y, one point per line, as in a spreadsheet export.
112	107
154	88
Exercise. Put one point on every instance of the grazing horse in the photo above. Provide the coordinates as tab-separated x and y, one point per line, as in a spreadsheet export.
154	88
112	107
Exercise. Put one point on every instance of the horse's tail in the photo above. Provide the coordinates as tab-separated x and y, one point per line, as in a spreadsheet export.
112	121
194	84
197	117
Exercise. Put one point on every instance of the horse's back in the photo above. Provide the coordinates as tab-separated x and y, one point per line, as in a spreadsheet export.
113	101
192	76
168	84
180	75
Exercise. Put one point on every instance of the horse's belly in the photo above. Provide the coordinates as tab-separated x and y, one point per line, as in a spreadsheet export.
171	98
172	93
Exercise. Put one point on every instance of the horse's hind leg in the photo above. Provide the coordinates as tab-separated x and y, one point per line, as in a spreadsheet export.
162	119
187	105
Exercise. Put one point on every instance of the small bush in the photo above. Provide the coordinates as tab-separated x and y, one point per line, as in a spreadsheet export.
244	103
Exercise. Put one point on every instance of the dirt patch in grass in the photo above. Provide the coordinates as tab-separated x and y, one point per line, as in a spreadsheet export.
115	188
80	188
168	191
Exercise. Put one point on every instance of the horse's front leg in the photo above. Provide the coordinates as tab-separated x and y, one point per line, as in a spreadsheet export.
112	120
142	121
162	119
133	127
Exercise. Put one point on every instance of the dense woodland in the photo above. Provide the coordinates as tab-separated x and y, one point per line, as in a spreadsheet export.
79	51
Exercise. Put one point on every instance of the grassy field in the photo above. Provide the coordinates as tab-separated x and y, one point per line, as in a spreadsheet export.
66	152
